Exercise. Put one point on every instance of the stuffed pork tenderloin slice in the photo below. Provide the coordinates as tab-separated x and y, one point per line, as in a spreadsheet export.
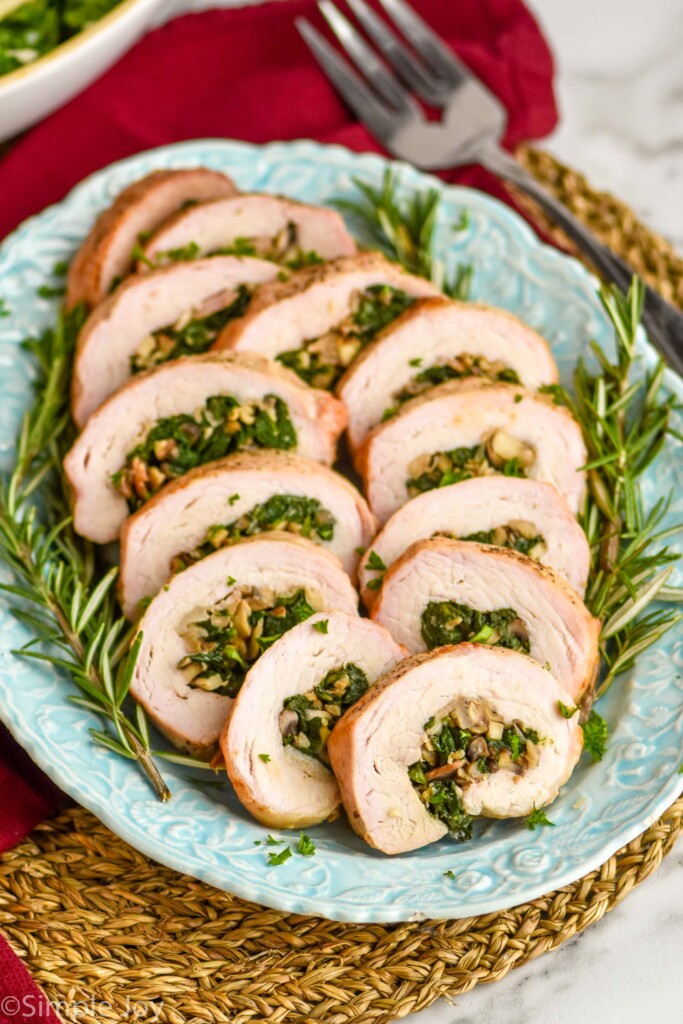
526	515
444	591
434	341
107	253
151	318
318	320
449	736
211	623
184	414
271	227
243	495
470	428
275	741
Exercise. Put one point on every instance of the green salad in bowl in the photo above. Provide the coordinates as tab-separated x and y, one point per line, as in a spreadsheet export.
31	29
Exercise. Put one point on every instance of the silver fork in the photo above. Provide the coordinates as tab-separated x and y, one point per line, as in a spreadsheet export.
470	131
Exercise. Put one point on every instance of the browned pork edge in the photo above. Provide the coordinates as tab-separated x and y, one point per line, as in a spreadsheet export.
85	282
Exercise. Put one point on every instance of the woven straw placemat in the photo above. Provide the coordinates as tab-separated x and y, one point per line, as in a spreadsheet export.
110	935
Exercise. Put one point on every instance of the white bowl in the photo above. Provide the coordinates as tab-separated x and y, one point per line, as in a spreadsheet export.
31	92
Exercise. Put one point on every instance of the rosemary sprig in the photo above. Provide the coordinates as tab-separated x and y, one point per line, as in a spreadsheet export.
625	422
58	589
404	231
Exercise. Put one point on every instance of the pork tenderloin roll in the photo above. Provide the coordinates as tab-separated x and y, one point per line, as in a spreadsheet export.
272	227
152	318
436	340
275	741
317	322
510	512
472	428
223	502
184	414
448	736
444	591
203	631
107	253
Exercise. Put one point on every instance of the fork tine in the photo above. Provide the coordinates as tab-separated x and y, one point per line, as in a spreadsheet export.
439	57
386	84
407	67
378	118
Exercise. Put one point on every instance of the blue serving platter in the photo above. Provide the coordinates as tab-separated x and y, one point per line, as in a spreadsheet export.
203	830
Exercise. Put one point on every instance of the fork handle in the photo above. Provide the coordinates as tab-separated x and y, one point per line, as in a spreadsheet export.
662	321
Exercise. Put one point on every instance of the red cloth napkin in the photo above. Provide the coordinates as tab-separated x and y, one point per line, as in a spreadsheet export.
247	74
241	74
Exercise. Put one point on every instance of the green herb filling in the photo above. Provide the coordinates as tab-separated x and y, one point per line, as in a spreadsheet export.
321	361
283	248
445	622
518	535
177	444
500	454
188	337
303	516
223	646
470	742
463	365
307	719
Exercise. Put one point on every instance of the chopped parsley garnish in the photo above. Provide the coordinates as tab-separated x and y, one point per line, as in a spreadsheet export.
375	564
538	817
274	859
305	846
565	711
322	626
449	874
47	291
595	736
265	758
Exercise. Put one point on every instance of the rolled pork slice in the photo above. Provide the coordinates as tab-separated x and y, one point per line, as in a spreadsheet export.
383	735
328	654
107	252
187	705
318	320
263	225
244	494
527	515
501	596
437	340
472	427
264	396
117	331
